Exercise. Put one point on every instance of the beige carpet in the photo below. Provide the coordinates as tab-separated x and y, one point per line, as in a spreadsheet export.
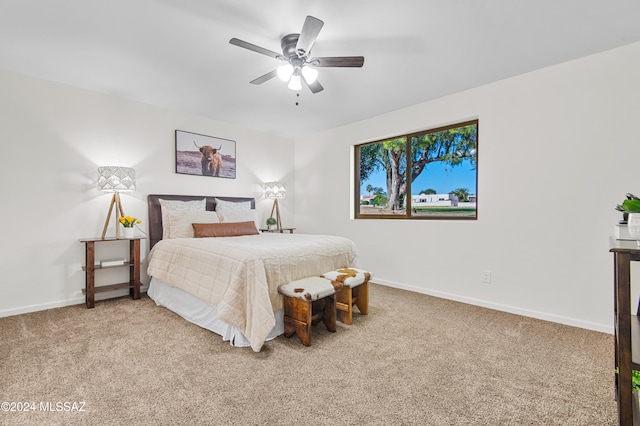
414	359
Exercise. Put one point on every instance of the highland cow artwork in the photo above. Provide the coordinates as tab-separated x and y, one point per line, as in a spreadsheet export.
203	155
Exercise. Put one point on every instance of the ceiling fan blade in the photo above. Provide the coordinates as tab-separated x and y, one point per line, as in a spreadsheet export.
315	87
308	35
337	61
246	45
266	77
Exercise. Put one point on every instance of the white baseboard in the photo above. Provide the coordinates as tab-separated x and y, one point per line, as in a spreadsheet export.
62	303
41	307
603	328
443	295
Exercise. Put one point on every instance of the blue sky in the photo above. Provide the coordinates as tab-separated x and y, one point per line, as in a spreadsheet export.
438	176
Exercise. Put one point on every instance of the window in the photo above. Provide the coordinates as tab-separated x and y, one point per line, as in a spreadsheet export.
438	168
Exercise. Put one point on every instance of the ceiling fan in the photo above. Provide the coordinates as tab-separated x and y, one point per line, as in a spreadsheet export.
296	50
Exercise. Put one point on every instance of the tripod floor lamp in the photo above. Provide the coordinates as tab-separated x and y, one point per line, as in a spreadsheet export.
275	190
115	179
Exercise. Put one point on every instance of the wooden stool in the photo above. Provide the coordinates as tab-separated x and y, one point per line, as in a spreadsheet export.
354	292
306	302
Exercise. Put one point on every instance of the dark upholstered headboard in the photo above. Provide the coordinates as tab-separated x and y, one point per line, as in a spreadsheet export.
155	213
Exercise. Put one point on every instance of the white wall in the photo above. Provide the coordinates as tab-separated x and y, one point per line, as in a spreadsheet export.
53	137
558	148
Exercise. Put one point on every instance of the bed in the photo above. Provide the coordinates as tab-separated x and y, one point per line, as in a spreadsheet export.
229	284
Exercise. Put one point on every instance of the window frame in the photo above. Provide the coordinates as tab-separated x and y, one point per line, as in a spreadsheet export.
408	208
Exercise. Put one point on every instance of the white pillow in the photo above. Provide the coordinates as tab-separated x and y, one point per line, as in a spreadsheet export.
227	216
179	222
167	205
230	205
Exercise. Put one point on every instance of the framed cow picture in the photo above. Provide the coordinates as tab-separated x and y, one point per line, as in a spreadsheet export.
203	155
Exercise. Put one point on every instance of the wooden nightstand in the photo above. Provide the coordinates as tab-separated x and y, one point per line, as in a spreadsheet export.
278	230
90	268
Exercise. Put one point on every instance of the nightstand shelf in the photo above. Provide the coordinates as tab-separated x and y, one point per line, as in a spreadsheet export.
96	267
110	287
289	230
90	268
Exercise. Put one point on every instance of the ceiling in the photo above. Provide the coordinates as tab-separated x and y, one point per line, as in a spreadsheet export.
176	53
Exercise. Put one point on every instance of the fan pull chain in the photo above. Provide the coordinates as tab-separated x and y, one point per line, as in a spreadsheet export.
297	96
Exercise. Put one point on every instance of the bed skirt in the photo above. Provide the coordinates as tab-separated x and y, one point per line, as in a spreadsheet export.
201	314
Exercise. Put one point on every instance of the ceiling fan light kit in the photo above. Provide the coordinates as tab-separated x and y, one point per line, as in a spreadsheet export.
285	72
310	75
295	83
296	50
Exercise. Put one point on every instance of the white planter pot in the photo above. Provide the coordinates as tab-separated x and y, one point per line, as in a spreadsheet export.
633	226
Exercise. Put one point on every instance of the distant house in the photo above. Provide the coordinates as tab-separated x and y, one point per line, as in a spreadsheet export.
433	200
367	199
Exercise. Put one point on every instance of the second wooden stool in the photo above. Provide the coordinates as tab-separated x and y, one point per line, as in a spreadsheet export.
355	292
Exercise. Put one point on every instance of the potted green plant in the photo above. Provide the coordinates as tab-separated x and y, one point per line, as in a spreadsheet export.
630	205
270	222
630	209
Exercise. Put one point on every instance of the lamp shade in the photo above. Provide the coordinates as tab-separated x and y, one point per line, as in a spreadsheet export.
295	83
285	72
116	179
274	190
310	75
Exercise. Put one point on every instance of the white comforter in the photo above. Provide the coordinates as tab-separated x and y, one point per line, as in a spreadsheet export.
240	276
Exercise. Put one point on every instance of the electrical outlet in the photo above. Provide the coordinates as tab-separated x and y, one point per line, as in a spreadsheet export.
486	277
